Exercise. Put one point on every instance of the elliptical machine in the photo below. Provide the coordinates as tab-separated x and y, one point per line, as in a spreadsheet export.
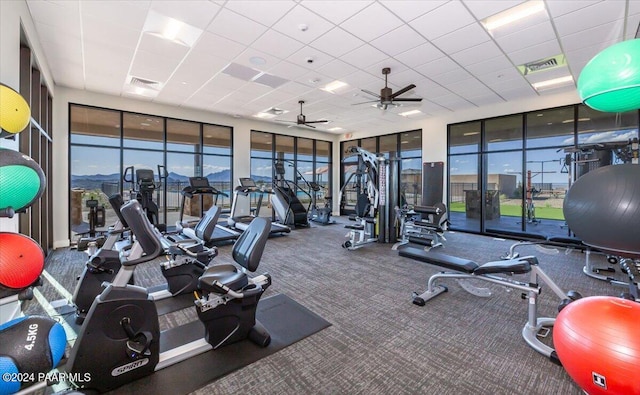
123	324
143	187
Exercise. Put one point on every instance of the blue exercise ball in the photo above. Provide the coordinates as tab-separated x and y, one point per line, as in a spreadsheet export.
602	208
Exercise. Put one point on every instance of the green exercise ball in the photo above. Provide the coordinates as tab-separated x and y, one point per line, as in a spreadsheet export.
22	180
610	82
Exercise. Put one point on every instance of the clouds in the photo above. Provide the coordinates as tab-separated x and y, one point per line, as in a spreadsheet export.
608	137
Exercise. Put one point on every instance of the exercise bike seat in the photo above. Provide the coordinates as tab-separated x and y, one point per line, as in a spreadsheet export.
226	274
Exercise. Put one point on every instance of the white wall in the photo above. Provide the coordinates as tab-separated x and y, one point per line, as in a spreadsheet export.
241	140
14	14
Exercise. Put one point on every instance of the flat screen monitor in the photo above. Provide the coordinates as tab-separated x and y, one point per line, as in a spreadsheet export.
198	182
247	183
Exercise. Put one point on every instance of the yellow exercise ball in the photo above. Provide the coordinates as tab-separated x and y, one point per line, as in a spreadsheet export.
14	110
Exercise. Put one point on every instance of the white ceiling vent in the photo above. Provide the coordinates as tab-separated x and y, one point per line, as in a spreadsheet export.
270	80
239	71
549	63
145	83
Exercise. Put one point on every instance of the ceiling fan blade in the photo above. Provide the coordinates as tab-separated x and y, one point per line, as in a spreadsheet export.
408	99
370	93
309	126
319	121
403	90
284	121
366	102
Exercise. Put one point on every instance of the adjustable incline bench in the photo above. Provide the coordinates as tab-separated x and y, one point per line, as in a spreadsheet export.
466	269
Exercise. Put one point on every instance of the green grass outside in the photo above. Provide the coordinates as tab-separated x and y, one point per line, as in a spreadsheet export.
516	211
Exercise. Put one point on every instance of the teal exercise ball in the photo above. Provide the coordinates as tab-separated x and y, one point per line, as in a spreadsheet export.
22	181
610	82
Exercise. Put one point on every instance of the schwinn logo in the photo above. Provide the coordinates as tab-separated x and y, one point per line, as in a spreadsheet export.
129	367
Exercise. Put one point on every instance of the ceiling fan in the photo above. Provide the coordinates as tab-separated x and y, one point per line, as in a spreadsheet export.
386	97
302	119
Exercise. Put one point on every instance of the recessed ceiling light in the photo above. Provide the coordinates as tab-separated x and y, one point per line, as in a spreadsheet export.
333	86
411	112
264	115
513	14
553	82
171	29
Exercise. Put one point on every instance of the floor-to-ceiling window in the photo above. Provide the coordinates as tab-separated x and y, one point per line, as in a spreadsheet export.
305	160
104	143
405	147
36	142
510	174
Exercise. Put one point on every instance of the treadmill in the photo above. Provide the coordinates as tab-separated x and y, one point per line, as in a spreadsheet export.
240	218
207	229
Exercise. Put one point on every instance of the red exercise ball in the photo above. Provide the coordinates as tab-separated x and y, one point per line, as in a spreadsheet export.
597	341
21	260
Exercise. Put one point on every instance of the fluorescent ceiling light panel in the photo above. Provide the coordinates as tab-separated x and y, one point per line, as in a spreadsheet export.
171	29
264	115
333	86
552	83
513	14
335	129
411	112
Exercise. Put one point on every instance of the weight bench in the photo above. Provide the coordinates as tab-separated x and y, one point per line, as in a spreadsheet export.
495	272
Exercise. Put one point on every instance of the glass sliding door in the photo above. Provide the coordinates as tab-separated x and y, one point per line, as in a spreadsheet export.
464	181
410	168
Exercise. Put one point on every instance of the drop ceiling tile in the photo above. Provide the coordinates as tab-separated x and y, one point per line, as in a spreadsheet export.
158	45
195	71
506	86
372	22
360	79
319	58
270	81
63	46
453	75
153	66
54	14
335	11
490	65
289	25
364	56
436	67
337	69
264	12
485	100
469	87
461	39
634	8
337	42
314	79
212	44
485	8
294	88
596	35
632	27
477	54
235	27
426	88
527	37
72	29
558	8
249	56
409	10
66	73
395	66
583	55
399	40
127	14
96	30
419	55
288	70
535	52
406	77
496	76
443	20
515	27
104	85
277	44
108	57
597	14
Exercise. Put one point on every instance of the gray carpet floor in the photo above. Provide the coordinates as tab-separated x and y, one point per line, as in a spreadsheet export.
379	342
